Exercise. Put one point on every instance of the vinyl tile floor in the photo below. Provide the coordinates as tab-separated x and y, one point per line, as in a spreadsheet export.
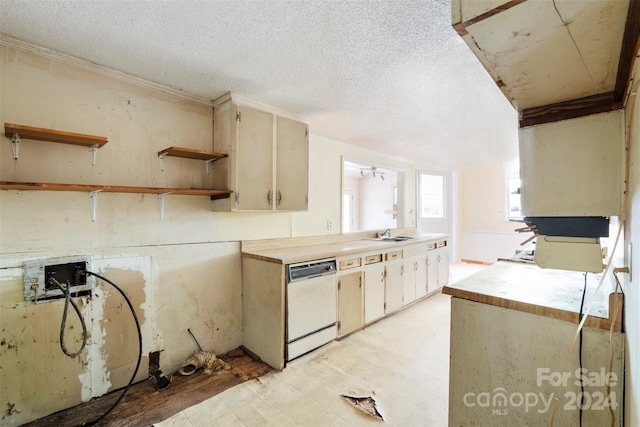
401	361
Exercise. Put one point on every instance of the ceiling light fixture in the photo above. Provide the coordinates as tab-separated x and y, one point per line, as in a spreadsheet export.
374	172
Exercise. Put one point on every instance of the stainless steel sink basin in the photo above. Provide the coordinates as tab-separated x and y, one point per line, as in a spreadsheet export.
390	238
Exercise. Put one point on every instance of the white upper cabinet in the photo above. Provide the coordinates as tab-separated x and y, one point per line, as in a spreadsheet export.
573	167
254	160
268	162
292	165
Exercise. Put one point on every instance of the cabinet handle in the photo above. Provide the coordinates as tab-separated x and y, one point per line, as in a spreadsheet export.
438	258
279	197
269	196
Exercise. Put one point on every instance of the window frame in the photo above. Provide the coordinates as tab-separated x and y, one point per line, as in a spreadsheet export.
511	170
347	228
443	175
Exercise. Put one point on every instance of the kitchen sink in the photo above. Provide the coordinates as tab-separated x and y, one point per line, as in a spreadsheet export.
390	238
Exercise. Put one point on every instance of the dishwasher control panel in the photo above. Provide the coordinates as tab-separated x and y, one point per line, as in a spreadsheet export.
305	270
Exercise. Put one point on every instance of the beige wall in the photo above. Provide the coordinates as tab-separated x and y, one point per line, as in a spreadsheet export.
483	233
181	272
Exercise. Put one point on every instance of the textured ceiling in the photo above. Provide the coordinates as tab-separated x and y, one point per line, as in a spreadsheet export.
393	77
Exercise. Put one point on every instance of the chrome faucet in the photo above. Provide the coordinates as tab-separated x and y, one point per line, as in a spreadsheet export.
387	233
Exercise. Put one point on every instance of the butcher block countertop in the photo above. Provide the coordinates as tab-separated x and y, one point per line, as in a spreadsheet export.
546	292
289	251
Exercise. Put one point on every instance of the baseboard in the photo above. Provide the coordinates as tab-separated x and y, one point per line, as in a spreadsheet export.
470	261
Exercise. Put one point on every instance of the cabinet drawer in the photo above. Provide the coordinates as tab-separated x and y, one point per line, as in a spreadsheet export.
350	263
414	250
373	259
441	244
393	255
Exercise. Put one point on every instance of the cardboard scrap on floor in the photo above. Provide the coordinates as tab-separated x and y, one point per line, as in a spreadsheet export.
365	404
206	360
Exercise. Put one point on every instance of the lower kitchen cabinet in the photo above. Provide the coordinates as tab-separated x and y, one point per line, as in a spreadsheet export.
415	278
373	292
393	286
511	327
437	268
408	281
350	309
263	310
370	285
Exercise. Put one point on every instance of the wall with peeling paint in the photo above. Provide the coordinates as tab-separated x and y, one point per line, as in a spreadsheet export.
181	272
631	281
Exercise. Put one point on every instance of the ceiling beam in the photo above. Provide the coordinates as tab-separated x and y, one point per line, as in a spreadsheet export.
630	45
571	109
460	27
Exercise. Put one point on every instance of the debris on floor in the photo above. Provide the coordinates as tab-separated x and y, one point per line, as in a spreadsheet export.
216	366
365	404
160	380
206	360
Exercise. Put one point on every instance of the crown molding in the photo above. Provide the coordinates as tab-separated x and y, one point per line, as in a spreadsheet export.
96	68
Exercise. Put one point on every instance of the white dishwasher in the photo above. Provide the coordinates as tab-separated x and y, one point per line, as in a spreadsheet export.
312	308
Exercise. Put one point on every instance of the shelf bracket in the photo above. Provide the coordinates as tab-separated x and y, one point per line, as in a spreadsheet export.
161	197
93	202
93	151
208	163
161	157
15	145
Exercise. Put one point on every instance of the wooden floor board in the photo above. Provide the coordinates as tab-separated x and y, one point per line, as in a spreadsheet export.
143	405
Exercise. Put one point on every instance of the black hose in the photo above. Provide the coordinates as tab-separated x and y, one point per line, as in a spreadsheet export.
63	324
135	372
582	398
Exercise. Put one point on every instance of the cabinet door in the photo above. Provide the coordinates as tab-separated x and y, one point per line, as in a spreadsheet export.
393	286
421	276
254	157
373	292
292	165
409	267
432	270
443	267
349	303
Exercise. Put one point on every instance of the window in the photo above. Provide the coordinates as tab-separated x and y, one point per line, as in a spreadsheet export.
431	195
513	202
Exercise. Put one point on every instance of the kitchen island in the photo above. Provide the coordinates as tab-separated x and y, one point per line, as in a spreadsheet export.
512	328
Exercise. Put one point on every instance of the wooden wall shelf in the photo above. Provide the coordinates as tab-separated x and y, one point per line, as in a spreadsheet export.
93	191
16	132
41	134
190	153
45	186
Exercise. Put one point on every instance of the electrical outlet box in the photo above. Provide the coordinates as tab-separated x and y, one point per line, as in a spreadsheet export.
66	270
